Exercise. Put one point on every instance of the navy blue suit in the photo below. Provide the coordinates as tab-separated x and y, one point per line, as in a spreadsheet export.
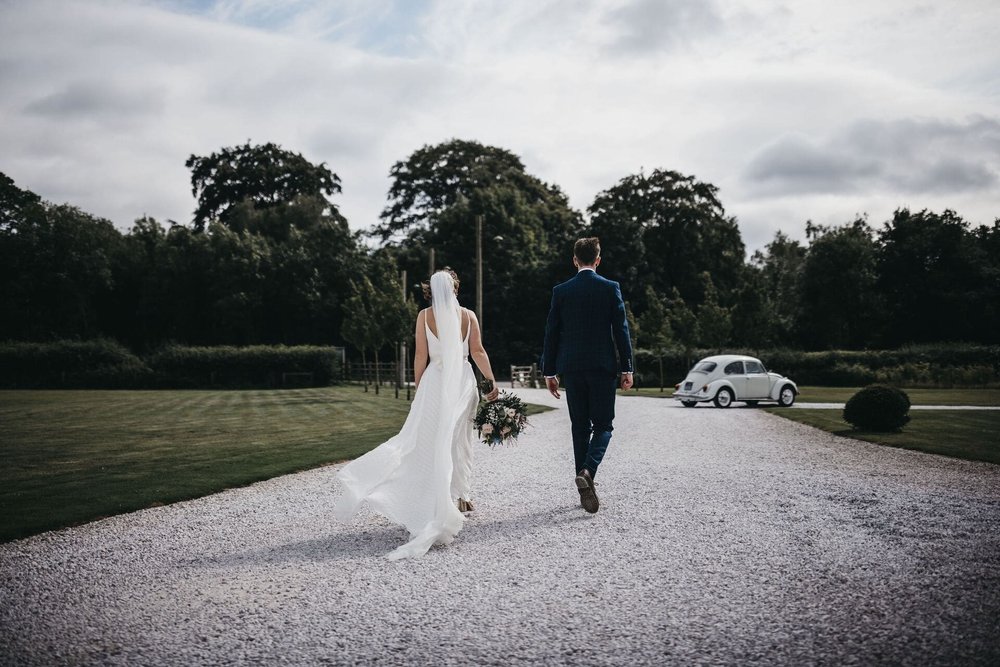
585	328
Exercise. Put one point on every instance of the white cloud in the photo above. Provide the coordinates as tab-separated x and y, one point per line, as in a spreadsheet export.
796	112
910	156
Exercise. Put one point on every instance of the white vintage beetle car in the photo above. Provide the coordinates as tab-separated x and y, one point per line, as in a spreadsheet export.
733	377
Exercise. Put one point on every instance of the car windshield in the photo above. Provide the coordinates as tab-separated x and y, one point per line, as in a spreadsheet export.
704	367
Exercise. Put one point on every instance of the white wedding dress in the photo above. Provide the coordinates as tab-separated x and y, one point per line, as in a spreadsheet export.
416	477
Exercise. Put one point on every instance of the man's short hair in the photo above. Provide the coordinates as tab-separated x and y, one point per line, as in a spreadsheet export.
587	250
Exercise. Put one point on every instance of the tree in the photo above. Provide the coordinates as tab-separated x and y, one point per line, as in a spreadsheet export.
777	271
256	177
664	229
313	256
987	242
139	318
271	271
56	280
436	178
752	315
396	313
245	270
714	321
683	323
15	204
359	326
528	233
378	313
839	306
934	274
183	293
654	325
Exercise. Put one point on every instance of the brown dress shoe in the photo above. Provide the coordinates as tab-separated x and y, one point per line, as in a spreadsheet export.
588	494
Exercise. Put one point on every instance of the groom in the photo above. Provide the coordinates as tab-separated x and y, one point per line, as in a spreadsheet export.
586	324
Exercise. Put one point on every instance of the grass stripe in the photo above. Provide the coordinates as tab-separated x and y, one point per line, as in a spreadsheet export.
75	456
966	434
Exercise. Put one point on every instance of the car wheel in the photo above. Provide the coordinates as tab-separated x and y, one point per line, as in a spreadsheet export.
787	396
724	398
689	404
751	404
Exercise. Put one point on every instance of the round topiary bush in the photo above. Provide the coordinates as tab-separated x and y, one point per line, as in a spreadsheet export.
878	408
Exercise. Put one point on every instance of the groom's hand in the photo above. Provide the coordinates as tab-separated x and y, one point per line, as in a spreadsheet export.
626	381
553	384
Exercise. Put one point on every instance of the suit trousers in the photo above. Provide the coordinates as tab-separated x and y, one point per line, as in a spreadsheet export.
590	396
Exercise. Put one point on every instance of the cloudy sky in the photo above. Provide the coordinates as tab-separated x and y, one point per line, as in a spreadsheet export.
795	110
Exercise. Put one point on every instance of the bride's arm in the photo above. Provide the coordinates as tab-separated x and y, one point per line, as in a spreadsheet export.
479	355
420	349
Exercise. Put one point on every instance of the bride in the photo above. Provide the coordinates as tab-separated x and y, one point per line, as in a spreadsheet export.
421	478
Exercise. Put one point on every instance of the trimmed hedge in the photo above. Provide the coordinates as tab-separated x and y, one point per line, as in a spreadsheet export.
104	364
916	366
99	364
245	367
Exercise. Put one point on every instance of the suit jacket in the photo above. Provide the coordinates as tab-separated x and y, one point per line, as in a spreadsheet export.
586	324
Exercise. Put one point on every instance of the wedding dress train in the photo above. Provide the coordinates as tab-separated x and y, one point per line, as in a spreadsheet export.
416	477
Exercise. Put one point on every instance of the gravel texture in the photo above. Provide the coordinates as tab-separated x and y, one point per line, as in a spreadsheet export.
724	537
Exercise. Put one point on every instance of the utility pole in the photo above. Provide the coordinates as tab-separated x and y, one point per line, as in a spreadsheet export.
479	269
401	363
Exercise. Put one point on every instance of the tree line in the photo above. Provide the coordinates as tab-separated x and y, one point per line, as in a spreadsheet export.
268	258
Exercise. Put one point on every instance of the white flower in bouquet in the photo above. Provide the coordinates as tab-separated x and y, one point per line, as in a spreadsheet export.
501	421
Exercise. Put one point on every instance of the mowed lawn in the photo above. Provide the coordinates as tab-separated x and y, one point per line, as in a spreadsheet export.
74	456
966	434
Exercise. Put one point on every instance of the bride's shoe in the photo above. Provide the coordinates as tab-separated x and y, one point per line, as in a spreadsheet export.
464	505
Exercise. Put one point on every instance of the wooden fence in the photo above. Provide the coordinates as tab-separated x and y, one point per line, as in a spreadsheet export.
383	374
387	374
526	376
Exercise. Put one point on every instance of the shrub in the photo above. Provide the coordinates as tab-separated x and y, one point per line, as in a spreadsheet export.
956	364
102	364
244	367
849	375
878	408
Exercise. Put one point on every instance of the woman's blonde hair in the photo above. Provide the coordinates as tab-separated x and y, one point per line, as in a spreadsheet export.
426	287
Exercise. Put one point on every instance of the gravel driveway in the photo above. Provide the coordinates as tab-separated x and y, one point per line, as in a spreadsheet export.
724	537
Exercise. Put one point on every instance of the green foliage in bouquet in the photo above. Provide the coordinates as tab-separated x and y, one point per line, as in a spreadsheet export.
501	421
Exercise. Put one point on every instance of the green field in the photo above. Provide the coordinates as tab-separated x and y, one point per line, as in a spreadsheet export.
962	396
75	456
964	434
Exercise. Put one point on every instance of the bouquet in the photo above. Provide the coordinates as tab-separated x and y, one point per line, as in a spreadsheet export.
500	422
